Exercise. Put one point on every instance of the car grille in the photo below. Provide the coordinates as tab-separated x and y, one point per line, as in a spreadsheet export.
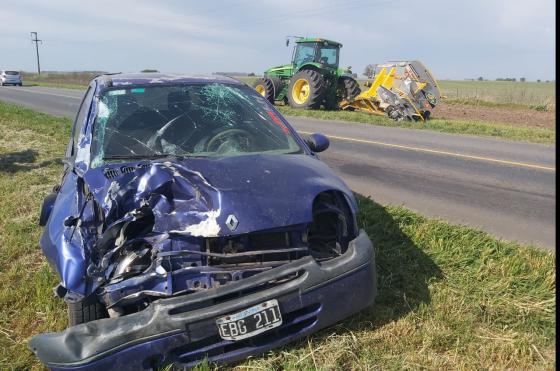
254	248
237	293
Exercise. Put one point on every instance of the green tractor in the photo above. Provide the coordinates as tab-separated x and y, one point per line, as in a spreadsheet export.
312	80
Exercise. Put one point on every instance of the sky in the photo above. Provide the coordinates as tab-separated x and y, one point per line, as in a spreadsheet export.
455	39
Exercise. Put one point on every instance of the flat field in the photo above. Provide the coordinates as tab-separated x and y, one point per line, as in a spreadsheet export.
539	95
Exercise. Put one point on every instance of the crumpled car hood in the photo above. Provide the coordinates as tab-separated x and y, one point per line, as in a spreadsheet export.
195	196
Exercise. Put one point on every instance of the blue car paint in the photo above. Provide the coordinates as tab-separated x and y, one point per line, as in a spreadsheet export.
259	189
190	199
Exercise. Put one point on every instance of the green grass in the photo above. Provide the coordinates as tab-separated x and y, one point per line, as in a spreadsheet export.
522	94
450	297
54	85
70	80
479	128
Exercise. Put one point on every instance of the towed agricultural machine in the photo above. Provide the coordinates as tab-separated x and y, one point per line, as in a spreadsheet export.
401	90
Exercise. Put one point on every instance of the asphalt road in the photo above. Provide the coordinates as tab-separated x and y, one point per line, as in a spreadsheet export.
505	188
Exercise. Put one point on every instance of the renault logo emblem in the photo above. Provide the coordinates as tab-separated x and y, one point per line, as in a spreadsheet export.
232	222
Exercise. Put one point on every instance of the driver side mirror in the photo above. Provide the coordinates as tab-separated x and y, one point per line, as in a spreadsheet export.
317	142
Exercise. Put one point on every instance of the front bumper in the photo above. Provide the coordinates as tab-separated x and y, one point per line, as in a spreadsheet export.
10	82
182	330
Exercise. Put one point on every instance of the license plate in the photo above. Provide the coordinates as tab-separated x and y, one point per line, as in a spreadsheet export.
250	322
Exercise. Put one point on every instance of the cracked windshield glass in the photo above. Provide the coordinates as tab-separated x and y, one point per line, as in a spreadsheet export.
186	120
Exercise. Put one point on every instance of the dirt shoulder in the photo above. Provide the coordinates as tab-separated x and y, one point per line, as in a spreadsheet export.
513	116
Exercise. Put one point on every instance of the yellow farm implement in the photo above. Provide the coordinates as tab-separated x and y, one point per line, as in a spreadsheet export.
402	90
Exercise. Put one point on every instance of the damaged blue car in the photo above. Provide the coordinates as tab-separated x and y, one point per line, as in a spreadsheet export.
192	221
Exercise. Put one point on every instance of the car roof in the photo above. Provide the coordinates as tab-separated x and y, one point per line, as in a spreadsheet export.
128	79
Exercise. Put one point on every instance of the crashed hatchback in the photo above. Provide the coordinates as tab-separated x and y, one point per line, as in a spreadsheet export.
193	222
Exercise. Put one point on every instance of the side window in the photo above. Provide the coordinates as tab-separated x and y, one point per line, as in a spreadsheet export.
328	56
80	118
304	53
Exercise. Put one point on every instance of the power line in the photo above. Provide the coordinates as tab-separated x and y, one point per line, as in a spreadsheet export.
36	41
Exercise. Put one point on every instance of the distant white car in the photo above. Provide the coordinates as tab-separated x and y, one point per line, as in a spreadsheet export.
10	78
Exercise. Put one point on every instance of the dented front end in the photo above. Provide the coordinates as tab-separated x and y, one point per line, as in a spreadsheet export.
138	236
156	229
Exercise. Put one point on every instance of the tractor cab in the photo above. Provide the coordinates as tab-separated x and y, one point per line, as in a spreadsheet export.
320	52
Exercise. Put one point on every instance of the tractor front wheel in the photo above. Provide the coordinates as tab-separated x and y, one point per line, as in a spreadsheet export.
306	89
265	87
348	88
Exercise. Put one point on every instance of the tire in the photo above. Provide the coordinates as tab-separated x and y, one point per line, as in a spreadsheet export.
265	87
348	88
81	312
306	90
331	102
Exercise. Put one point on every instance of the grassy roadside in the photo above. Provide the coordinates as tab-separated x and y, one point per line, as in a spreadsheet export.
449	297
55	85
69	80
479	128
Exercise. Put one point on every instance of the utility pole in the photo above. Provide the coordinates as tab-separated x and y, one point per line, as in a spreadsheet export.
36	41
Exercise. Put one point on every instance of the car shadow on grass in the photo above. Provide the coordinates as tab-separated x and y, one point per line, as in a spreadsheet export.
13	162
403	270
403	274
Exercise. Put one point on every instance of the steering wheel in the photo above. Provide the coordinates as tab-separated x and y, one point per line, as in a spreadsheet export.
308	58
155	140
216	143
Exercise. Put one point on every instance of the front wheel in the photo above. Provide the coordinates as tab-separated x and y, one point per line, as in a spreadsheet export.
81	312
265	87
306	89
348	88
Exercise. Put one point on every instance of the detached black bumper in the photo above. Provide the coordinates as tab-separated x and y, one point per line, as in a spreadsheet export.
183	329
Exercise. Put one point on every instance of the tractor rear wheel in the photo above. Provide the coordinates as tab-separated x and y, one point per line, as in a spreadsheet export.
306	89
265	87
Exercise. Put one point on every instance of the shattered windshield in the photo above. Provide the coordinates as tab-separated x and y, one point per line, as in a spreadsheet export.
186	120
